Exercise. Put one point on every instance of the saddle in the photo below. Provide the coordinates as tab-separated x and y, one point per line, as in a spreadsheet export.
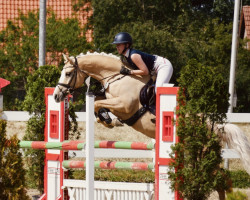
148	97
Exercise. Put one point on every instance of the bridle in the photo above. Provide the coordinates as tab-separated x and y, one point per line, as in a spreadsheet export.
71	89
73	79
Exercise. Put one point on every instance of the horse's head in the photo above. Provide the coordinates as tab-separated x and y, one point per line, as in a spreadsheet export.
72	77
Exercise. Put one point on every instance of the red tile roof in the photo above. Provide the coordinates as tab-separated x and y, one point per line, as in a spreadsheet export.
9	10
245	22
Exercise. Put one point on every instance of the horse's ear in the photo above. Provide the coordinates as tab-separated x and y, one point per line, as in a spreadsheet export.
67	59
64	57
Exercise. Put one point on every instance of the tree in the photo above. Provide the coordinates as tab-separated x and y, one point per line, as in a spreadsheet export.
19	50
18	56
179	30
197	156
242	79
12	172
34	103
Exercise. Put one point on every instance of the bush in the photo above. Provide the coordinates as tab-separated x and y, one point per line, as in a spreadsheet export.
11	167
117	175
236	196
240	179
197	156
34	103
19	50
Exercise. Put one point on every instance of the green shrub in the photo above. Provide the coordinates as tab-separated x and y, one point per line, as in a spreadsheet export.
34	103
19	50
118	175
12	182
197	156
240	179
236	196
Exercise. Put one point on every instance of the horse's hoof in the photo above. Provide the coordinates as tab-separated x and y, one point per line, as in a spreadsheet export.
98	120
104	124
116	122
108	125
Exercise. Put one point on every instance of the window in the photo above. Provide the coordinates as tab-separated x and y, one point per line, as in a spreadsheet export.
54	124
167	128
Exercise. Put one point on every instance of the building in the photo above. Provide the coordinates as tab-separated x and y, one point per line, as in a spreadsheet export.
10	9
244	29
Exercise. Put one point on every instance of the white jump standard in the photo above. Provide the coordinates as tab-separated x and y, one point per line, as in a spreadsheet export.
56	146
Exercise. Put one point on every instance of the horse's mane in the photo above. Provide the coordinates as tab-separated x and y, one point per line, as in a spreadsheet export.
96	53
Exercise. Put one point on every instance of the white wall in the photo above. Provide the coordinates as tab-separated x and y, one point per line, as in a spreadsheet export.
24	116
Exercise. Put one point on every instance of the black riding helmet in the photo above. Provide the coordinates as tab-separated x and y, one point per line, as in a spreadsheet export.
122	38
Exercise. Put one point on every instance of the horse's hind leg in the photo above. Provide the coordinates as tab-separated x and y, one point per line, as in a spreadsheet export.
103	117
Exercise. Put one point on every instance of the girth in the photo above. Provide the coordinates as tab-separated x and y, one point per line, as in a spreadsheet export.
146	96
135	117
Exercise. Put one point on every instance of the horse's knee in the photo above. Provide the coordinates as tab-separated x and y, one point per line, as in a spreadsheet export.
96	107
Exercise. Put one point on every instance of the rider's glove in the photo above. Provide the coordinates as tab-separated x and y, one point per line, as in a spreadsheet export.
125	71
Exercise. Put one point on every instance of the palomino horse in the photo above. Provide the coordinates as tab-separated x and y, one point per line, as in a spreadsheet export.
121	91
122	96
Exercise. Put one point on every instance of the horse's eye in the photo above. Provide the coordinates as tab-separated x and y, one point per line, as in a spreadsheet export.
68	74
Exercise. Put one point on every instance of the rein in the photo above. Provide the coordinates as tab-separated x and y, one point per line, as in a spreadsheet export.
109	76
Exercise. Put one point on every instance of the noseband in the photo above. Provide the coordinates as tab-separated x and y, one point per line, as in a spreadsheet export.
70	89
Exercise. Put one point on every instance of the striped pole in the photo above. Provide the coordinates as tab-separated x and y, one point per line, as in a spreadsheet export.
66	145
124	145
72	164
79	145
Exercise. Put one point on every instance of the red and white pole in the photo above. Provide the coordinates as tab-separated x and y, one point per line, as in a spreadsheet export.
166	103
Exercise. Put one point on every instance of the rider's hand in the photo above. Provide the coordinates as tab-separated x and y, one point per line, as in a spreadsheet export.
125	71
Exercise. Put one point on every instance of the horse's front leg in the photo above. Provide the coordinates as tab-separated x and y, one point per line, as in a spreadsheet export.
115	104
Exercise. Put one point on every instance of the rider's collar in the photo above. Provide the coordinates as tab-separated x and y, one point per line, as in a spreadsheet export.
127	53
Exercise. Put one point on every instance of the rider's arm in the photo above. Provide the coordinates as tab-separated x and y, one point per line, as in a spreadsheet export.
137	60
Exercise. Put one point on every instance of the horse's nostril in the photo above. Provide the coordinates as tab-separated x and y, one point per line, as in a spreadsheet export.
55	96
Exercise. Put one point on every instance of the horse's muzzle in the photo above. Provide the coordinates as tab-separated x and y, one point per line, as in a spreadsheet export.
56	97
60	94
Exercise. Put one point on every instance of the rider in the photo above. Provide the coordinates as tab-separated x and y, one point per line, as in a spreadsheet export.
140	62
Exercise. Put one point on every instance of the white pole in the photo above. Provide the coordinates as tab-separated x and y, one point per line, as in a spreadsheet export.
89	146
1	102
233	64
233	54
42	33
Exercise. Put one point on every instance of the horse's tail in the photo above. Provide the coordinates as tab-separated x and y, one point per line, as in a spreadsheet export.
237	140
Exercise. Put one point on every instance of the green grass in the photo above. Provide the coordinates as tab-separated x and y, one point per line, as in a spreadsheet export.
117	175
240	178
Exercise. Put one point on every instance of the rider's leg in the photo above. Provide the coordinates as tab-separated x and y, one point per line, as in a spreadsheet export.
164	70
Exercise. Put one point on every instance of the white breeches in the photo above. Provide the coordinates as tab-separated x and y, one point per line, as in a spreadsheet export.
164	71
